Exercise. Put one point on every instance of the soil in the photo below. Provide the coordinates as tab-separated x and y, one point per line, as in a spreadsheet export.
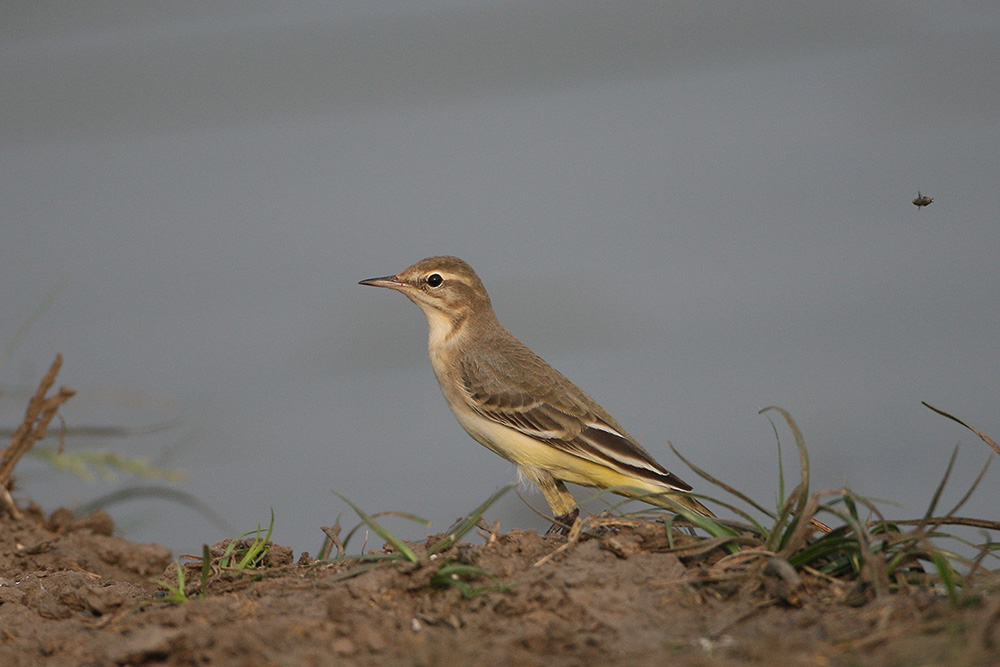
71	593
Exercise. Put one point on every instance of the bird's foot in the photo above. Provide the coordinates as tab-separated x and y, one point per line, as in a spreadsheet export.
563	523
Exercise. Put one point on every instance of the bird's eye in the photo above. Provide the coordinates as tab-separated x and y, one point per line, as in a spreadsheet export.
435	280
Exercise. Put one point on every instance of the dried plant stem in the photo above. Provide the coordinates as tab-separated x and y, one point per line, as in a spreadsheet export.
985	438
40	411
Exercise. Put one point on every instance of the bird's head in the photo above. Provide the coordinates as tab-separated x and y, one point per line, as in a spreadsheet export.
446	289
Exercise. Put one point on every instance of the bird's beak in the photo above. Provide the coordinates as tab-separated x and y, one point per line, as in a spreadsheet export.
392	282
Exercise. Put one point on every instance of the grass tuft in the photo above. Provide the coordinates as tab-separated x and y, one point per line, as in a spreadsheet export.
437	572
234	557
244	554
875	556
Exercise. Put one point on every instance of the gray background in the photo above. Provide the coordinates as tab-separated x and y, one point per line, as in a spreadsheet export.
692	211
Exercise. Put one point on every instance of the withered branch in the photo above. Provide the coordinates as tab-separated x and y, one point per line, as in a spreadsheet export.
40	411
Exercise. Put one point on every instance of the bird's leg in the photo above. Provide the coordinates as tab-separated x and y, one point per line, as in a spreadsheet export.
558	497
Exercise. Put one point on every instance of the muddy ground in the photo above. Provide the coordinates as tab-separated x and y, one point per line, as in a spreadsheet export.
71	593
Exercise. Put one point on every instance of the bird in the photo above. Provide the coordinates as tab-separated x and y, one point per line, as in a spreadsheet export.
921	200
518	406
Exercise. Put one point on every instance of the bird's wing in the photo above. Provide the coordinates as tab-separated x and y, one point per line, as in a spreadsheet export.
559	415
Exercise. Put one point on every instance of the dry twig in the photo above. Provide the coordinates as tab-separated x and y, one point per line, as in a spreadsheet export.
332	540
39	413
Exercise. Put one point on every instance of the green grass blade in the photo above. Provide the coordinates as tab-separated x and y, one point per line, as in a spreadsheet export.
455	575
206	567
800	443
176	592
947	574
469	522
664	500
399	545
719	483
403	515
258	549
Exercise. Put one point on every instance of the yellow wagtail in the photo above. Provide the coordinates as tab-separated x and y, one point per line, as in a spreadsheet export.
512	402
